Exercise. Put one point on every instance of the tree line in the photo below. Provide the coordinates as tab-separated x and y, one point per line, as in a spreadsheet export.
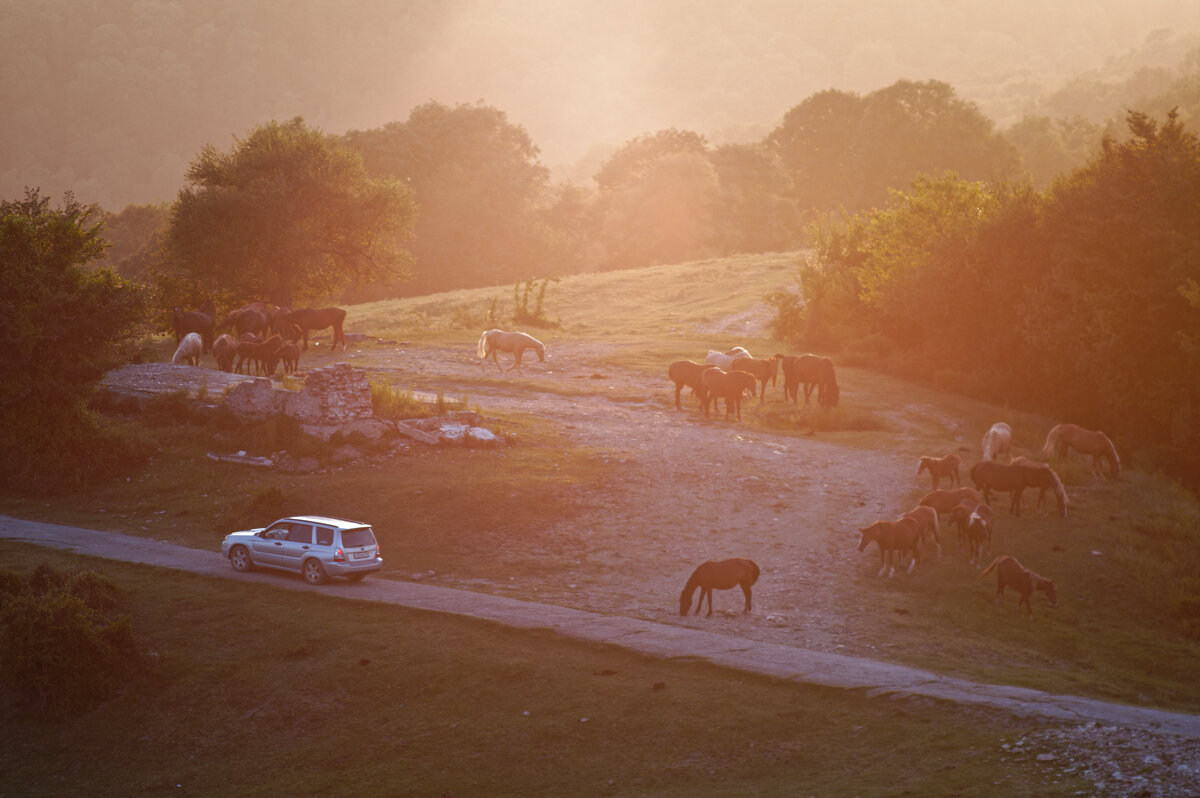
473	205
1082	301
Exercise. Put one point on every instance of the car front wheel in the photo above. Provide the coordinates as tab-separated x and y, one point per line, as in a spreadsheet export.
239	558
314	572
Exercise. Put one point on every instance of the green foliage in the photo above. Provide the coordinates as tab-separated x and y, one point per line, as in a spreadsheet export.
393	403
477	180
1077	302
61	652
289	215
64	324
843	150
535	316
267	503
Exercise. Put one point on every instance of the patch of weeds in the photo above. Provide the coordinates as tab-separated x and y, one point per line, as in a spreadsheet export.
168	409
813	419
268	502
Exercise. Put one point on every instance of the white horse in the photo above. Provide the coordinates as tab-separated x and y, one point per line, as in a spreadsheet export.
997	441
189	350
493	341
724	360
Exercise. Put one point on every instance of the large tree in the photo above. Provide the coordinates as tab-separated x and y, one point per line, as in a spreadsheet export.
480	187
288	215
63	324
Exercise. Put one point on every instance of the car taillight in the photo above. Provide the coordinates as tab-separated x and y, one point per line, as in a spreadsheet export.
378	550
339	555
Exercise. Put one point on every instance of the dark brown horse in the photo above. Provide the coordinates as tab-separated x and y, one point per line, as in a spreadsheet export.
201	321
988	475
764	370
895	538
1042	476
941	467
308	319
1010	573
244	320
727	385
718	575
262	354
686	373
813	371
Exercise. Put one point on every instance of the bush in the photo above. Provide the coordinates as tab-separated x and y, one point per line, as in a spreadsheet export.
60	652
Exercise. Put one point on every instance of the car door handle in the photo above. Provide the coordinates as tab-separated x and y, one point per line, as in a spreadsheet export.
279	543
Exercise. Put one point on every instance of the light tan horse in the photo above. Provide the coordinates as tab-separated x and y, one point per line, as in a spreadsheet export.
724	360
997	441
727	385
493	341
944	501
764	370
941	467
1065	437
718	575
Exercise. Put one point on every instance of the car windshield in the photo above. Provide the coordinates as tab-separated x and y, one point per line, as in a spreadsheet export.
353	538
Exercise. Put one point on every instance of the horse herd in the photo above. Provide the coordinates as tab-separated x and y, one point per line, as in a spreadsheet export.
266	335
901	541
730	375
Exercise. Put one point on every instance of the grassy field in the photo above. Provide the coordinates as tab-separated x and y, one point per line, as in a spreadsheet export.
251	691
1126	561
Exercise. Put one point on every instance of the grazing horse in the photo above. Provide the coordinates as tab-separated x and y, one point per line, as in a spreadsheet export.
941	467
813	371
1005	478
318	319
289	356
224	350
997	441
1065	437
686	373
724	360
1010	573
199	321
494	341
262	354
944	501
894	538
762	368
974	526
727	385
244	320
927	519
189	350
1041	475
722	575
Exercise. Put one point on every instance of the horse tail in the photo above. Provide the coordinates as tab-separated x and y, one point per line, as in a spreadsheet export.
1060	493
1051	442
988	570
989	440
1111	454
756	571
481	351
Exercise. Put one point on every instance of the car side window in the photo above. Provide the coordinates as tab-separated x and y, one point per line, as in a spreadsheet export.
276	532
300	533
324	536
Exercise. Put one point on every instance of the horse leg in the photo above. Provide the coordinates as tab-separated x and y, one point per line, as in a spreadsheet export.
746	590
678	390
707	591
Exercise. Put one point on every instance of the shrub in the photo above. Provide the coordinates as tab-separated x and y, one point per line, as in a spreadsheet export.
60	652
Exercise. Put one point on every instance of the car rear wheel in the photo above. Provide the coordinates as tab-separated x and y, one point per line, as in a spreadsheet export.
239	558
314	572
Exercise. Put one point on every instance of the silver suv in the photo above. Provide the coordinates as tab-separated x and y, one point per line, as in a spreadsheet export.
314	546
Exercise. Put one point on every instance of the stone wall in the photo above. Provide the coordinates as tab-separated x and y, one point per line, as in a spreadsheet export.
332	395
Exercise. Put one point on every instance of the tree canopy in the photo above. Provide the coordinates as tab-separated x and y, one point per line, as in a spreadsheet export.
64	325
288	215
1083	302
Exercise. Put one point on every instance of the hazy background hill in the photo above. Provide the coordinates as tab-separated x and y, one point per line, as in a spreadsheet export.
114	99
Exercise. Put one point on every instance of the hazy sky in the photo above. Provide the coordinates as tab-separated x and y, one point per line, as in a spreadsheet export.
116	96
